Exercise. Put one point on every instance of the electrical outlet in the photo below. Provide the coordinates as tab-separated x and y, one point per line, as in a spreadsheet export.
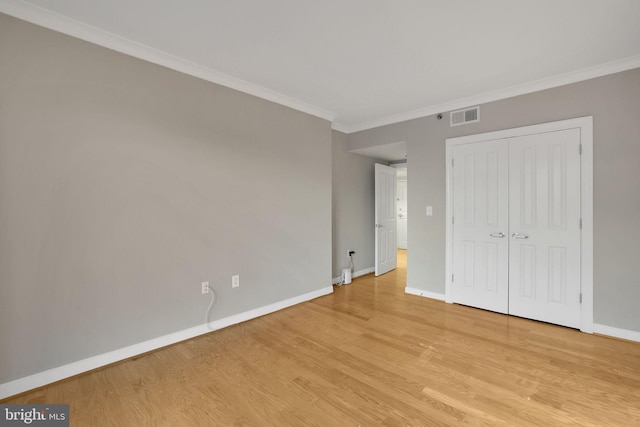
235	281
205	288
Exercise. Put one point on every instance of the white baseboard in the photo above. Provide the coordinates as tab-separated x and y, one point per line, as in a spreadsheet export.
56	374
616	332
358	273
364	272
423	293
598	329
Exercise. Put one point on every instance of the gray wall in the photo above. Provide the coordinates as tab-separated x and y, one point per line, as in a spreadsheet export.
353	206
123	185
614	103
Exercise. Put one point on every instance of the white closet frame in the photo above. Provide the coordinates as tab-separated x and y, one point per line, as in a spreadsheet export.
585	124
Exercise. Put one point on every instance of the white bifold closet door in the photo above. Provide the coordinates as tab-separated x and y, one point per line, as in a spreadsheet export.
544	222
481	224
516	231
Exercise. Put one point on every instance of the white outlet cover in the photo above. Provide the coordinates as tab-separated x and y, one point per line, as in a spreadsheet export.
429	210
235	281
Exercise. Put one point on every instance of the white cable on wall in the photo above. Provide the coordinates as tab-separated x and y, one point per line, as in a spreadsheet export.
208	314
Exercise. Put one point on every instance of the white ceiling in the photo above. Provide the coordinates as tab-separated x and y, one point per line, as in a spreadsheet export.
362	63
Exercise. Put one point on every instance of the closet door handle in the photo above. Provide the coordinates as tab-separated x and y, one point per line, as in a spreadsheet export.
519	236
500	235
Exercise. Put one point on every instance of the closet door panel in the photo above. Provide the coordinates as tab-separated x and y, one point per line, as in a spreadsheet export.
480	241
544	219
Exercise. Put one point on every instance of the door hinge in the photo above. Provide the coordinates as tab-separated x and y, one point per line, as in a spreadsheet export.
453	220
452	277
580	149
451	162
580	297
580	223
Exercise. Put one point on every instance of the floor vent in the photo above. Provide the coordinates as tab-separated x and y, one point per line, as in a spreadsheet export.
462	117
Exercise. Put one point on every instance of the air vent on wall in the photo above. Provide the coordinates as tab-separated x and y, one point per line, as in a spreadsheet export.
462	117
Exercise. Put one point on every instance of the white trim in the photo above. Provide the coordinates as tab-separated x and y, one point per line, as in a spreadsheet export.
402	165
347	129
56	374
586	211
364	272
423	293
63	24
448	229
585	124
625	334
358	273
509	92
57	22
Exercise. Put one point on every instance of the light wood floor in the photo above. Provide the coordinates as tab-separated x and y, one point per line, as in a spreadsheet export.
367	355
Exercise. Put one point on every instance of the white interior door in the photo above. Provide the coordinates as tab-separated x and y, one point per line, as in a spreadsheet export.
401	198
544	207
480	225
385	219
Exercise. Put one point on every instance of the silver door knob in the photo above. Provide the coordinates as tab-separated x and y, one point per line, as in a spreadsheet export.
500	235
519	236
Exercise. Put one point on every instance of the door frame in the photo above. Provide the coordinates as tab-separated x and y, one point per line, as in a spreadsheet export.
585	124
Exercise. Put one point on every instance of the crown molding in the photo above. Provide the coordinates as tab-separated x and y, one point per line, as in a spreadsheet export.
509	92
60	23
71	27
340	127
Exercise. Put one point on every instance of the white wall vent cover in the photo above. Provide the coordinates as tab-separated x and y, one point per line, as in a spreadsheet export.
462	117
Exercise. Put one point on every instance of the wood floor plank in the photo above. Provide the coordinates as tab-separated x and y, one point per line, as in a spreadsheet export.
368	354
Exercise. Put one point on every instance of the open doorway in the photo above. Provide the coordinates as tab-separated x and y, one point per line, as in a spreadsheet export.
401	204
391	218
395	156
